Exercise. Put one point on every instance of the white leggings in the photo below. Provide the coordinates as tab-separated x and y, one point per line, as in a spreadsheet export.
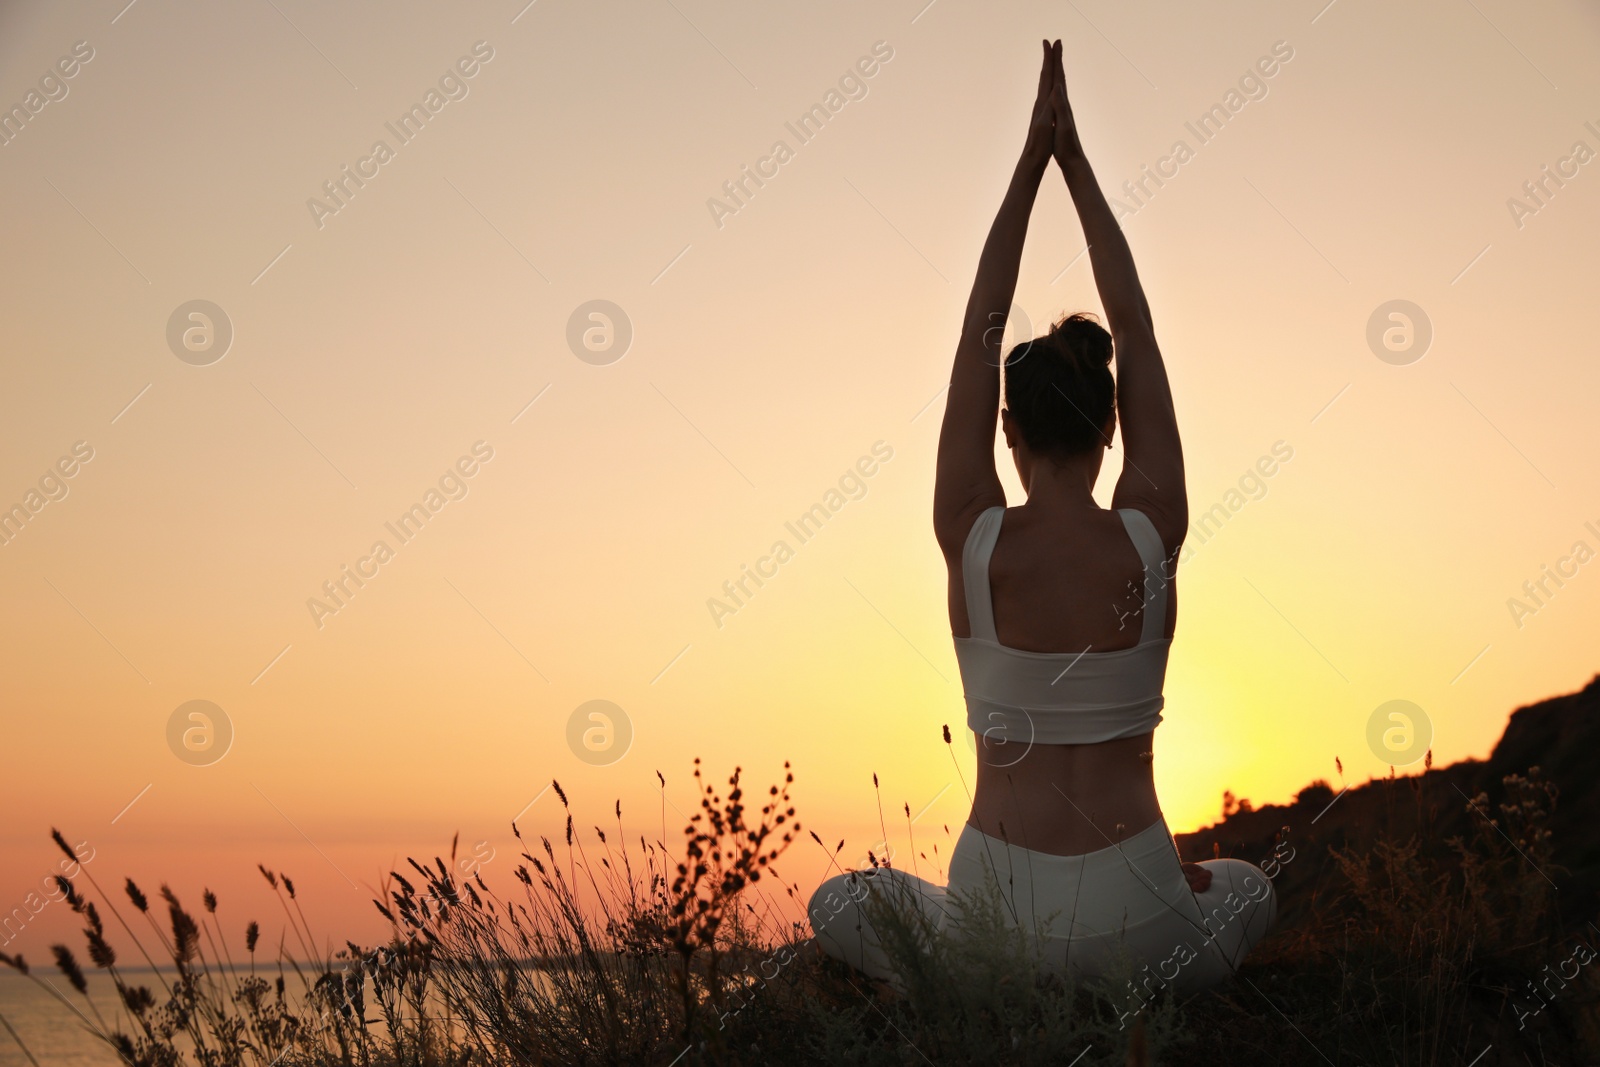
1080	912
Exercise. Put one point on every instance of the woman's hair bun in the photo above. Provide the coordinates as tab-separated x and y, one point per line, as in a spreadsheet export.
1059	387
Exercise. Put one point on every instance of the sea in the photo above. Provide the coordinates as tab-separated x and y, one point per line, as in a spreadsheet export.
47	1023
35	1023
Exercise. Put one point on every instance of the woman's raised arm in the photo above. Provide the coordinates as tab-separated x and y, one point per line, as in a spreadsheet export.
966	482
1152	475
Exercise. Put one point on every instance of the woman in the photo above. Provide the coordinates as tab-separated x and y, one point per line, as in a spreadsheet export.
1063	614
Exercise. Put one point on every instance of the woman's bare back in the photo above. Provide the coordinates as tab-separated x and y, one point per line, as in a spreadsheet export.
1062	583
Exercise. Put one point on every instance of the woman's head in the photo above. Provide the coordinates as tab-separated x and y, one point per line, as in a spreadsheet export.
1059	392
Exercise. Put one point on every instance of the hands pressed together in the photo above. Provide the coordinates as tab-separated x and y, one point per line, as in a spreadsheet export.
1052	131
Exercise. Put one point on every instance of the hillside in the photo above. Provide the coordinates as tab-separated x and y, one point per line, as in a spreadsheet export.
1560	736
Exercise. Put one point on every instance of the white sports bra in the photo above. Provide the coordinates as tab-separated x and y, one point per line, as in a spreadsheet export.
1062	698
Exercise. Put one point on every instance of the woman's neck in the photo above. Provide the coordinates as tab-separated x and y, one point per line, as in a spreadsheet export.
1062	487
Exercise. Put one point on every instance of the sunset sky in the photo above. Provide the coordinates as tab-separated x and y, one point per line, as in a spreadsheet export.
420	326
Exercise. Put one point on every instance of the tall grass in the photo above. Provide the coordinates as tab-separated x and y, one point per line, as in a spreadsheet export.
608	949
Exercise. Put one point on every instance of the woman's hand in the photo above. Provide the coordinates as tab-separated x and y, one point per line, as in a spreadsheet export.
1065	145
1198	877
1041	127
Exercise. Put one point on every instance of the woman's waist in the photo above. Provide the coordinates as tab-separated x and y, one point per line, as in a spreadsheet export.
1065	799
